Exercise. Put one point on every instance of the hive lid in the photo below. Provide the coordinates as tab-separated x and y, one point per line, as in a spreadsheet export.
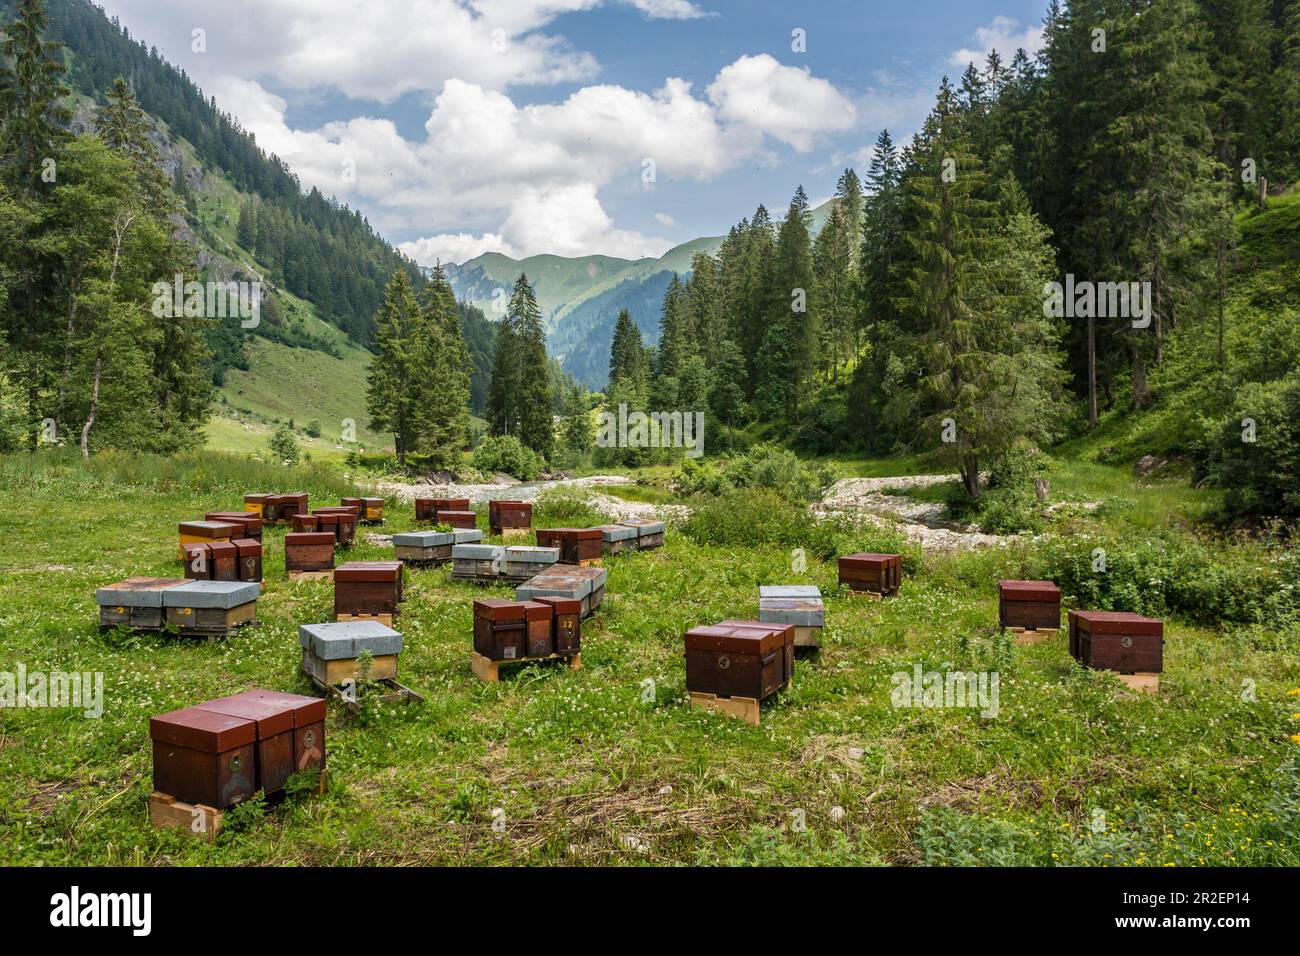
212	594
1118	622
497	609
1030	590
479	552
136	592
467	535
270	718
305	710
562	605
247	547
378	572
209	527
513	505
866	558
532	555
309	538
345	640
644	526
423	539
789	591
202	730
754	639
617	532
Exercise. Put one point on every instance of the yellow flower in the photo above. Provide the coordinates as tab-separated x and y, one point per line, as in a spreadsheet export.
1295	738
1293	693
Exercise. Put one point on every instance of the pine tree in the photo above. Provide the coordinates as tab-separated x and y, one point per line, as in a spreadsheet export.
627	352
533	399
790	311
833	266
394	393
848	196
503	387
33	120
246	231
704	306
448	373
1287	85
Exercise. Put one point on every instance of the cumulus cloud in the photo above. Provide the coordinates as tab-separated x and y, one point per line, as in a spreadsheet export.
1003	35
455	247
786	102
491	174
665	220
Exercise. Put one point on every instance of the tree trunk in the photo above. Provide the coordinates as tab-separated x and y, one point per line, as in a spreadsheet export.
1092	373
94	407
1141	391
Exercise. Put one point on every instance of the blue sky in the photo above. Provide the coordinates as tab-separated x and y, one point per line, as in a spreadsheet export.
528	126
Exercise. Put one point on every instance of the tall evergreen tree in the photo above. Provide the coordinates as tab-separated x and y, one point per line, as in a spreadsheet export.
395	393
33	119
448	373
534	398
791	310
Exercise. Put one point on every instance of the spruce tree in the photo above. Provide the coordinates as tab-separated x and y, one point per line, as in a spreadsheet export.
33	119
792	311
448	373
533	398
396	399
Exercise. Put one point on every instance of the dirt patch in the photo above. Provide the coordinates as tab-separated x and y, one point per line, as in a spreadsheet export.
922	522
616	508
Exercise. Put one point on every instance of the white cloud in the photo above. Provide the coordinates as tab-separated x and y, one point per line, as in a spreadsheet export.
665	220
526	179
1000	35
668	9
454	247
785	102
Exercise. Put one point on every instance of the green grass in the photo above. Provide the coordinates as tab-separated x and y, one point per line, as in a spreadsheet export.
581	762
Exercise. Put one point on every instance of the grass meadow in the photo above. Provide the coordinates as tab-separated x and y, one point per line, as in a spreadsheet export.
608	764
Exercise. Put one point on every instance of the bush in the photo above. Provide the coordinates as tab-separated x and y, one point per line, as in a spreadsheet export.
1176	573
1261	475
284	446
568	506
505	453
763	466
313	429
757	517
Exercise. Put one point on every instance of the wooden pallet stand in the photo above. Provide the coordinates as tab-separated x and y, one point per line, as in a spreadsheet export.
296	576
395	693
744	708
168	813
591	563
486	669
199	819
866	595
1141	683
1025	637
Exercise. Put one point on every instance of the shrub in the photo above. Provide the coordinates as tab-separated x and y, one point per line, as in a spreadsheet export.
763	466
566	505
760	516
313	429
505	453
1261	475
1163	573
284	446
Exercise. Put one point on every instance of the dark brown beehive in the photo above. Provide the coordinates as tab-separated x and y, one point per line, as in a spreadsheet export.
198	561
204	757
225	561
1117	641
509	514
500	629
301	523
367	588
308	551
273	746
1031	605
540	639
878	573
457	519
567	619
749	660
250	558
426	509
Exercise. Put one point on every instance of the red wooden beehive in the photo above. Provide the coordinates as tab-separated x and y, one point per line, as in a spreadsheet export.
1117	641
509	514
877	573
367	588
426	509
308	551
500	629
1031	605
